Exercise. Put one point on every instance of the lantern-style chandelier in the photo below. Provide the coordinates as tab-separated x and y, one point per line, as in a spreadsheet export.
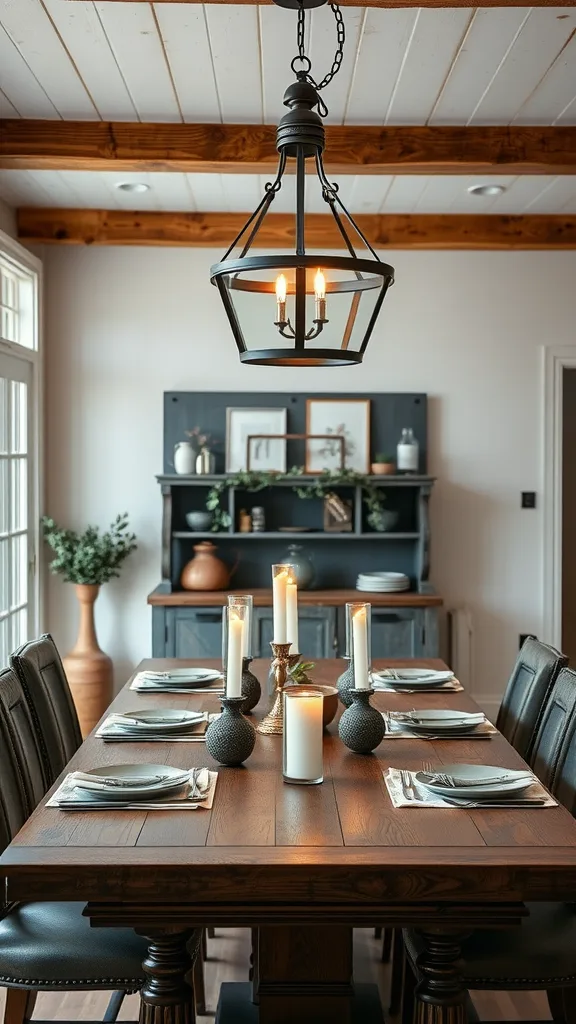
303	308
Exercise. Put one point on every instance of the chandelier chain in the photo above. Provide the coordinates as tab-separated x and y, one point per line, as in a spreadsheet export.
306	64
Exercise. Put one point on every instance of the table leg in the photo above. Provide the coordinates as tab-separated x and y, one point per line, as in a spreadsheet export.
440	997
305	975
166	996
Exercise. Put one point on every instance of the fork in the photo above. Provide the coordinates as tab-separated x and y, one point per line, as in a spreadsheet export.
407	785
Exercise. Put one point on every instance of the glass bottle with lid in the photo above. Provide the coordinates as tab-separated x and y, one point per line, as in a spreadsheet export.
407	452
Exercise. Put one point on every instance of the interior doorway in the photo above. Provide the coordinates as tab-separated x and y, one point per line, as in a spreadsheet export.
569	513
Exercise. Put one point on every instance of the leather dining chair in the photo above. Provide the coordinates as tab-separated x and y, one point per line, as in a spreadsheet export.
39	668
541	954
533	675
43	945
41	719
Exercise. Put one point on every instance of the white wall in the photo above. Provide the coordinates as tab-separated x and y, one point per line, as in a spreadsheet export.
126	324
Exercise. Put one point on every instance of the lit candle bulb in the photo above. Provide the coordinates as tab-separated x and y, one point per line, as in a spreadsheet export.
320	295
281	299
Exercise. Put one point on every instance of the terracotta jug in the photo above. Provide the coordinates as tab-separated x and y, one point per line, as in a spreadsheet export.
205	571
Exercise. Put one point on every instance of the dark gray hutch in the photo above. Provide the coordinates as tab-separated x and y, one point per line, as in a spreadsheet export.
187	624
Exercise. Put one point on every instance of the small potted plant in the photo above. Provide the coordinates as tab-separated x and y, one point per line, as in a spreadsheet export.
88	560
384	465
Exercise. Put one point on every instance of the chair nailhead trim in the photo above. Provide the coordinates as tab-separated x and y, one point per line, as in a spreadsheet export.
122	983
556	980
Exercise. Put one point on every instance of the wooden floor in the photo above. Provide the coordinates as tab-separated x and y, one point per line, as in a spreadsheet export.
229	953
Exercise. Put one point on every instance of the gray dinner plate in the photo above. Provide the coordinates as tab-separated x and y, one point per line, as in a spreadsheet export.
159	720
476	781
126	773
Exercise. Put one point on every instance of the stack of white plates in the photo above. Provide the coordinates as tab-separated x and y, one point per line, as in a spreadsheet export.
382	582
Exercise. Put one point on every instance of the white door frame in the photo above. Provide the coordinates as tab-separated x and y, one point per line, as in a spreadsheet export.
556	359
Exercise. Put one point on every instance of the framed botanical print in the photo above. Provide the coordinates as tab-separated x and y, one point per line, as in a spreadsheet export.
343	417
267	455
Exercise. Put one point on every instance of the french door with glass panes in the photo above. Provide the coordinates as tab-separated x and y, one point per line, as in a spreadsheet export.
17	512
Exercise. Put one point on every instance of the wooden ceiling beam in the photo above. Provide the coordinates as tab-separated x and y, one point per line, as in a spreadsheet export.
396	231
390	3
221	148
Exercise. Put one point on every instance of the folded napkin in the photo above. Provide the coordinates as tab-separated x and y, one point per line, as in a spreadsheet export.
67	797
143	684
397	730
422	797
111	731
404	687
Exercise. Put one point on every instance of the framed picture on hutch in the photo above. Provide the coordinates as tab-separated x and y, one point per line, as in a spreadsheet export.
267	455
344	417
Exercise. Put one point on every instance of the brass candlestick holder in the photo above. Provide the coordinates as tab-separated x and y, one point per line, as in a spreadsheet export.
273	723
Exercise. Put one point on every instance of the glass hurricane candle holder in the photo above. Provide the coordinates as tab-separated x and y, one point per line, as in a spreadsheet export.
302	758
240	605
282	574
347	681
246	601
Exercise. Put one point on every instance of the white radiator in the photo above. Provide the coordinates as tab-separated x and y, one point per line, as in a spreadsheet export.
460	646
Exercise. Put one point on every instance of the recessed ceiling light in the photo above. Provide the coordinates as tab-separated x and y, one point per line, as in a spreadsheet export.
487	190
133	186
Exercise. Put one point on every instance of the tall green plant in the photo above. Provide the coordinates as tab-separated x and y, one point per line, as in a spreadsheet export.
89	557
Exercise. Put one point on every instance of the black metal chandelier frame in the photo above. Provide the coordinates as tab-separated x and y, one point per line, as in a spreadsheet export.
300	135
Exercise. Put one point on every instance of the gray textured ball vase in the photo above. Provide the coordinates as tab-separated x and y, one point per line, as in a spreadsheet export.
361	727
251	689
230	739
344	684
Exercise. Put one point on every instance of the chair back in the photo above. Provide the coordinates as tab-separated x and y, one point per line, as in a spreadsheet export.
534	673
13	802
24	740
554	754
41	673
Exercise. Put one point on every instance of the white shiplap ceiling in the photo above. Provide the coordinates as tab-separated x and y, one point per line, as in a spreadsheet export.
174	62
241	192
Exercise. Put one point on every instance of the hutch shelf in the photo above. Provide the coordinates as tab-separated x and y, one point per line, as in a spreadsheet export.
188	624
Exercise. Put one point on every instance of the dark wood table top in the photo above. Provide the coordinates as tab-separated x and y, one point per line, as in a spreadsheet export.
266	841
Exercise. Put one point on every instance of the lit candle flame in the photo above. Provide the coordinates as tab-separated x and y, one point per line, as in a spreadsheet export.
281	288
319	285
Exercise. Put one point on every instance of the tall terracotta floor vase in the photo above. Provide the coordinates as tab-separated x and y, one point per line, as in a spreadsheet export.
88	669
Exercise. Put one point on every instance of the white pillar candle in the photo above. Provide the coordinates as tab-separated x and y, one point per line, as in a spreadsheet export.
303	736
234	666
360	655
279	584
292	617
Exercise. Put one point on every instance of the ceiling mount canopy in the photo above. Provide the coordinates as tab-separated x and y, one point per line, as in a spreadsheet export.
298	307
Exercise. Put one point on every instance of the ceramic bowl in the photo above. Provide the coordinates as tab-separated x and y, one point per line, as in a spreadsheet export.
387	520
199	522
330	694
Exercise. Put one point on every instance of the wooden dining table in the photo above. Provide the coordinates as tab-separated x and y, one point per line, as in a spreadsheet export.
302	866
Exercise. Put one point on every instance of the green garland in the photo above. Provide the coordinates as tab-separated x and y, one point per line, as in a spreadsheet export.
251	481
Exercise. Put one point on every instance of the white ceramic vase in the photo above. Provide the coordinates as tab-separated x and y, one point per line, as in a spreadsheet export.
184	457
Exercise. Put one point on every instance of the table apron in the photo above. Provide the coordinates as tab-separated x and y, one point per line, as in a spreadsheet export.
407	915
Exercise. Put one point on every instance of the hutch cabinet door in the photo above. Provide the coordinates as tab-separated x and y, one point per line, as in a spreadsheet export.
193	633
316	631
398	632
